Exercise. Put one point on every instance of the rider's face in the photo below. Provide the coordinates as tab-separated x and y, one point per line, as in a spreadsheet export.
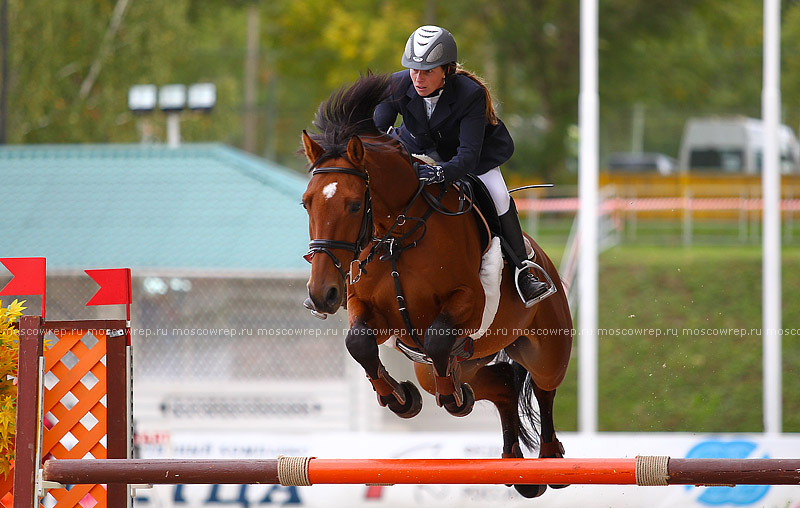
427	82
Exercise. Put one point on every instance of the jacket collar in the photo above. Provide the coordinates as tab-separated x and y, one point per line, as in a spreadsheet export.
416	106
444	106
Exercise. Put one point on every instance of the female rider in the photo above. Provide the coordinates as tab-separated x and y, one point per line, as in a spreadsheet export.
448	115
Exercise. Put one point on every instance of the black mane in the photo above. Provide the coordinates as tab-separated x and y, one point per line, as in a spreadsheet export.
348	112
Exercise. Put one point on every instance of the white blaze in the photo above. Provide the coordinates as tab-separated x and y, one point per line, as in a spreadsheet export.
329	190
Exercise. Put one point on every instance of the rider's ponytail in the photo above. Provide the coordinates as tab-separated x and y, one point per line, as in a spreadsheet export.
454	68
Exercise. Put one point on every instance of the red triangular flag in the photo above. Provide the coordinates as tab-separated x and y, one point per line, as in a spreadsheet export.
115	286
29	276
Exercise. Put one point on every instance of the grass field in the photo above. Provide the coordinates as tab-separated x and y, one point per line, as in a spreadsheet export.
680	343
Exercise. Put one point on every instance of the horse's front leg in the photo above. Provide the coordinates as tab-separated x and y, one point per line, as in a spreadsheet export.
441	338
402	398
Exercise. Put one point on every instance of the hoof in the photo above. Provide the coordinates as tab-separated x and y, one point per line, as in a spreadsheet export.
464	409
530	491
553	449
413	404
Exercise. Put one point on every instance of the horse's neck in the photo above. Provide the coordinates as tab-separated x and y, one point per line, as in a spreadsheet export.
392	187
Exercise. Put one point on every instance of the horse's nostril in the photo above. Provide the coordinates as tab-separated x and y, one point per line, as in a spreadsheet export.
332	295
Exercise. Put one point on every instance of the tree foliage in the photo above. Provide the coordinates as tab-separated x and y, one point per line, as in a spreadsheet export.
693	57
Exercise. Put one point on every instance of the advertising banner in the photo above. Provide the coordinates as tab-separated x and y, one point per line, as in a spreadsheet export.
257	445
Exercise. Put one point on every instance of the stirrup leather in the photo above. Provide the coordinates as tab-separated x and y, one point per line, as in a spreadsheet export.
530	265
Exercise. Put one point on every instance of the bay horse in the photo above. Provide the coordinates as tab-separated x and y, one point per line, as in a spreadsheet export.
407	271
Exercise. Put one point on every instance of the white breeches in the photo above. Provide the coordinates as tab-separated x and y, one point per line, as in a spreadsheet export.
493	180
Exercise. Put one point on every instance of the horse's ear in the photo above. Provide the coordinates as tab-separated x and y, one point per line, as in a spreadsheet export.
355	150
311	147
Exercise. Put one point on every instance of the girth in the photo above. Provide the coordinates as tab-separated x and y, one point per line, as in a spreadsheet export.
463	349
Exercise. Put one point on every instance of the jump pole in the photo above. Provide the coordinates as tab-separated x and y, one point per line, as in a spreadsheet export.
301	471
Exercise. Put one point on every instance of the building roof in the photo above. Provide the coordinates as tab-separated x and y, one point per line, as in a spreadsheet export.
205	207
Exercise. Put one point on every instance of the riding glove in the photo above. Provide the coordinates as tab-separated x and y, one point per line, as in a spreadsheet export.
430	174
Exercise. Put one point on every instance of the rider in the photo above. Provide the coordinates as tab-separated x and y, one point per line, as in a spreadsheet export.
448	115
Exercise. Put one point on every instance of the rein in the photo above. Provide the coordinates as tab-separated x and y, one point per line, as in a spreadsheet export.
394	247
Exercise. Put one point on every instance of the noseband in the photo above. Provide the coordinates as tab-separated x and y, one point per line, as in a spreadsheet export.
364	234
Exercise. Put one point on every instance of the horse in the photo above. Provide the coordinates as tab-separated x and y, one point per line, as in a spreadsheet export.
406	267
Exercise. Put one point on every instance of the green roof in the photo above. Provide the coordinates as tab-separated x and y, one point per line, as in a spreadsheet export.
196	207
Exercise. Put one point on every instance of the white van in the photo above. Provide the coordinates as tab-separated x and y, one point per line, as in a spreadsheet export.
642	162
733	145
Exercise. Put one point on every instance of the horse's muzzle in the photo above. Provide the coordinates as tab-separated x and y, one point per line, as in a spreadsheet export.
309	304
331	299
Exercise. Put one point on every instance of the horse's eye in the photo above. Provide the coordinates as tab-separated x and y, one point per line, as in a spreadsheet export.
355	207
303	204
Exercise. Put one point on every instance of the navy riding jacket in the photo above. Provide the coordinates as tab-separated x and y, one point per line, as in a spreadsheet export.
457	130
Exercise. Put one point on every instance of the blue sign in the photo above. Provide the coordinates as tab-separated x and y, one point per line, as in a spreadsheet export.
740	495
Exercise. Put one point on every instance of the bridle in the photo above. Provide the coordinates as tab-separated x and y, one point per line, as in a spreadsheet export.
364	235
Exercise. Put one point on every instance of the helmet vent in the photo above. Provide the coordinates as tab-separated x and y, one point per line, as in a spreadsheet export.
424	36
436	53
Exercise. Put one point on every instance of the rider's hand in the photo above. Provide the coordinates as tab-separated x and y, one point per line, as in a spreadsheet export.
430	174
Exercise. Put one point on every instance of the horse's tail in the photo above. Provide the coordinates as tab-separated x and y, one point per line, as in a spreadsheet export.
528	409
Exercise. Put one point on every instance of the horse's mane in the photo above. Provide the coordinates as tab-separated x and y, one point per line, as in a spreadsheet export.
348	112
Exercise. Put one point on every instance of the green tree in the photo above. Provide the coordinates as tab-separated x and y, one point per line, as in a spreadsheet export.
707	62
314	48
539	56
71	65
54	46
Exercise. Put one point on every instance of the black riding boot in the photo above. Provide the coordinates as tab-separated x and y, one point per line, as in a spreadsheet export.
530	286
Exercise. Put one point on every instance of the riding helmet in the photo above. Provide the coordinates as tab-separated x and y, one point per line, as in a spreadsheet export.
428	47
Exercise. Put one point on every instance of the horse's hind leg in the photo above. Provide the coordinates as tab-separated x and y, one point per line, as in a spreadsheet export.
495	383
402	398
501	384
546	360
550	446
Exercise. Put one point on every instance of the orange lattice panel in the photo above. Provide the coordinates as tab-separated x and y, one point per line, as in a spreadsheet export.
75	409
6	488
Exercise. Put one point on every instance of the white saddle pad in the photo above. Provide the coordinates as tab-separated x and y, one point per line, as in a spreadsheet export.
491	274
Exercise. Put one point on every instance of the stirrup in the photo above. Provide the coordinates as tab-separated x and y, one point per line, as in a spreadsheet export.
530	265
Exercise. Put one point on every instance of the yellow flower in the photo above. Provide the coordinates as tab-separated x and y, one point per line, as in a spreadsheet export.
9	354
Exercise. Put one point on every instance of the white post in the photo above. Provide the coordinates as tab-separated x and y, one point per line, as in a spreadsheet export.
637	128
588	219
173	129
771	239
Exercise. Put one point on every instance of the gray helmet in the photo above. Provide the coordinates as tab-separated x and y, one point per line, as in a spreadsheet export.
428	47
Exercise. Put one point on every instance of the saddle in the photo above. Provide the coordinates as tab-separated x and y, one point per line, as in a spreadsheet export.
485	214
484	211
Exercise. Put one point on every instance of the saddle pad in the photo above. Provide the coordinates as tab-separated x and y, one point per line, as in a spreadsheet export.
491	274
